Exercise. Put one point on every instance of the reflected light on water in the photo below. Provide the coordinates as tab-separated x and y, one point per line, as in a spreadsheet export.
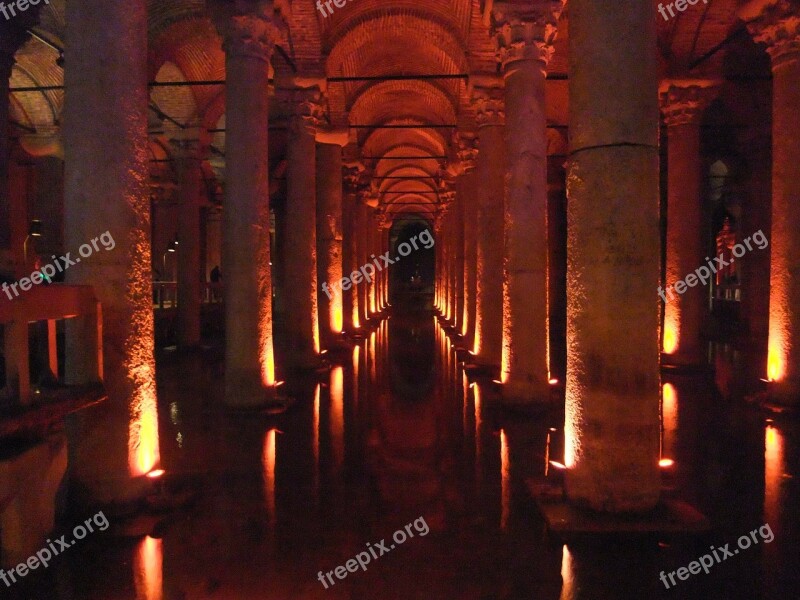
505	480
773	473
337	415
268	460
567	575
148	564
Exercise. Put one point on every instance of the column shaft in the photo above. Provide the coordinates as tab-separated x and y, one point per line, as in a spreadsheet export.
302	322
189	275
249	352
525	364
105	133
489	312
612	397
329	239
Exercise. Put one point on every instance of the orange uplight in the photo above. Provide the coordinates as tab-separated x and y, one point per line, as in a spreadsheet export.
557	465
553	381
337	318
148	575
143	449
670	338
267	362
156	473
775	371
665	463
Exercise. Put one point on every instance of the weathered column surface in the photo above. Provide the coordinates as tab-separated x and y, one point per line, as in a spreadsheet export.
468	154
302	314
329	237
612	397
106	194
524	37
778	26
490	172
249	353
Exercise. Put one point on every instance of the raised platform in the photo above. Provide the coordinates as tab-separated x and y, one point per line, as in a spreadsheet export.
671	516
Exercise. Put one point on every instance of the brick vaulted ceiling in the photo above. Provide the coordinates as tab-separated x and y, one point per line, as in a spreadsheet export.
364	38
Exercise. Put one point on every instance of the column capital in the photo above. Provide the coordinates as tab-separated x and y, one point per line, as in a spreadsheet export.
305	109
683	101
490	105
525	31
466	143
352	177
775	23
191	143
249	29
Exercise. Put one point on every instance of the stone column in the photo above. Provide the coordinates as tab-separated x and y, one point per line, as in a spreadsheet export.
13	34
524	38
683	104
490	172
468	154
302	314
329	235
113	445
190	276
249	354
6	64
778	26
457	314
362	244
611	433
349	255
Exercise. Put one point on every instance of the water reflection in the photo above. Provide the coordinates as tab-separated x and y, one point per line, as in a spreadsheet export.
147	575
268	460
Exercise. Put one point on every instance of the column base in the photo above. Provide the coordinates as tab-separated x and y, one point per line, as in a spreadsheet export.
523	394
570	522
780	399
684	364
243	393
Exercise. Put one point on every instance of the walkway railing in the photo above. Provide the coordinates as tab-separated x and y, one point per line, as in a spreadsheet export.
165	294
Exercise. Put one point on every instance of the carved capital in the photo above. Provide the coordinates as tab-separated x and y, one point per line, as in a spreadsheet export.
466	149
778	26
684	102
305	108
249	28
525	32
490	106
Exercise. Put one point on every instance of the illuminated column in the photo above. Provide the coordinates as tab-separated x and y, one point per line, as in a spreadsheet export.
329	234
468	154
778	25
611	433
302	313
106	162
524	39
683	104
249	356
490	172
362	241
349	234
190	176
452	253
457	313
